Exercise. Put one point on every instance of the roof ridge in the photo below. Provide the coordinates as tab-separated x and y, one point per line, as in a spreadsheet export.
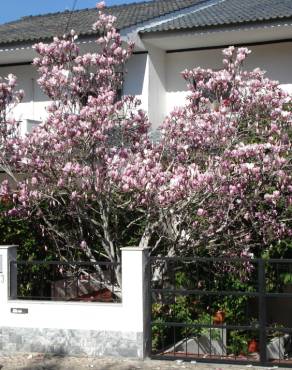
201	5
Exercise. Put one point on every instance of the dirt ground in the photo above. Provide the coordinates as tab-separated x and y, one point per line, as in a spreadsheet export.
49	362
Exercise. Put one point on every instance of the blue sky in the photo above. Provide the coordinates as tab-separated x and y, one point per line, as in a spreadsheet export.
14	9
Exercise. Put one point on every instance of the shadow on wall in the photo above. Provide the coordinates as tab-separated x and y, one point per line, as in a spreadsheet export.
178	62
275	59
27	76
134	78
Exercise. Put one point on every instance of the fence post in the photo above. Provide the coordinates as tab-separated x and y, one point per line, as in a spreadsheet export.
262	311
135	290
8	274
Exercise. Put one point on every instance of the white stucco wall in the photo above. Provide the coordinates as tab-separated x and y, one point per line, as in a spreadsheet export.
76	327
275	59
155	77
33	106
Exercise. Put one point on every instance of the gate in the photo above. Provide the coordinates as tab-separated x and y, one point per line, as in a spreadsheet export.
224	310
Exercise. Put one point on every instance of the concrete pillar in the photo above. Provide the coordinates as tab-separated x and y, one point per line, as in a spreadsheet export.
8	272
135	290
156	86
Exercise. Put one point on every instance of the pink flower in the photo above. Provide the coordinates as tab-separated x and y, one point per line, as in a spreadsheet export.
200	212
83	244
100	5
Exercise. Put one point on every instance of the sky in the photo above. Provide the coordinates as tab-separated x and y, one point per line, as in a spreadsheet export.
11	10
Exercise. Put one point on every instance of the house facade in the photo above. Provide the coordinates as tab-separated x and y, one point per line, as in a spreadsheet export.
169	36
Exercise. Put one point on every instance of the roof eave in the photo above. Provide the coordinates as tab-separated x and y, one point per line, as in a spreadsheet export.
233	34
25	44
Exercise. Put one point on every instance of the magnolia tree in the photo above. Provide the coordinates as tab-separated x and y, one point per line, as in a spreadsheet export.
218	181
220	177
66	162
221	173
9	98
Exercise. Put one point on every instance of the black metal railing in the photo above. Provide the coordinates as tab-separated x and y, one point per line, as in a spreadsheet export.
221	310
65	281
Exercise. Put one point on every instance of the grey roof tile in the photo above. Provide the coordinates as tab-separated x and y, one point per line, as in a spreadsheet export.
229	12
42	27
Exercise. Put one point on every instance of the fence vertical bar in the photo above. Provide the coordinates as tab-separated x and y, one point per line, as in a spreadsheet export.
262	311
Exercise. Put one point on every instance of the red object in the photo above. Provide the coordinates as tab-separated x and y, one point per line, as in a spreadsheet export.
253	346
102	295
219	317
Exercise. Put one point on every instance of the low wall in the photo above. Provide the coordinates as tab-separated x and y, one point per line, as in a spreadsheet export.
71	342
76	328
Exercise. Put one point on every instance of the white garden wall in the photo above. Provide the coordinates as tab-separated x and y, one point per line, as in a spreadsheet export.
76	327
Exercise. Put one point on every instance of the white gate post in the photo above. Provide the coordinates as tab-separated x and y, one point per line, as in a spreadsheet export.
135	289
8	272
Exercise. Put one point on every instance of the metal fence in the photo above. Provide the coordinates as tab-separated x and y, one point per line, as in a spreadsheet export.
65	281
229	310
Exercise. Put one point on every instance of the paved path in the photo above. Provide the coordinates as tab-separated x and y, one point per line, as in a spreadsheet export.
48	362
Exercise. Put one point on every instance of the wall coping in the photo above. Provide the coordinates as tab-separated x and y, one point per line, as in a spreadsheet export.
135	249
27	302
8	246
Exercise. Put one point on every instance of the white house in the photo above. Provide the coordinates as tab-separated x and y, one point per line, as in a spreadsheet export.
169	36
